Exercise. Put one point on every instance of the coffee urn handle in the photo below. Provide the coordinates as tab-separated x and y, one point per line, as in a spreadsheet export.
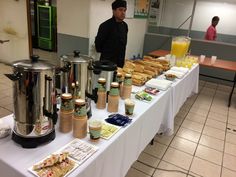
14	77
48	106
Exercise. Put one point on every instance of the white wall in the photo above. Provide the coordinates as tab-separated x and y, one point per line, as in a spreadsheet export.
101	11
13	26
176	11
206	10
73	17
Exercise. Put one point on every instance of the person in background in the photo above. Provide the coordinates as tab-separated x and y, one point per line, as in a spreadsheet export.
211	31
111	37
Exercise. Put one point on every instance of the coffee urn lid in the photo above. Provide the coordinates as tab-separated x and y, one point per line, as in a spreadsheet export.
33	64
77	58
105	65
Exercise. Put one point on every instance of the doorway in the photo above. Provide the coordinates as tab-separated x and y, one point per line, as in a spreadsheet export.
42	28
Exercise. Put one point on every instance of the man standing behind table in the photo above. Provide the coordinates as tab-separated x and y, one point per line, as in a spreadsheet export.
211	31
111	38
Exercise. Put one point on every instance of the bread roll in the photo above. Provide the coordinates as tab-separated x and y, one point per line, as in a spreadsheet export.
129	65
139	68
147	76
137	82
153	74
139	77
150	68
128	70
153	64
141	62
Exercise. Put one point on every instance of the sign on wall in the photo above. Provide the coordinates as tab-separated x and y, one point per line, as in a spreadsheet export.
141	8
130	9
154	12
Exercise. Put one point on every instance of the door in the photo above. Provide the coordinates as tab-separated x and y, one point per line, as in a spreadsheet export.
13	27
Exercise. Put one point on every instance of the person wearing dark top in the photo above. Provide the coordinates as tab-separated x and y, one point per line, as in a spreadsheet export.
111	38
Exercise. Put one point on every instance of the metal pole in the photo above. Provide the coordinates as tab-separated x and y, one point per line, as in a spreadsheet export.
191	21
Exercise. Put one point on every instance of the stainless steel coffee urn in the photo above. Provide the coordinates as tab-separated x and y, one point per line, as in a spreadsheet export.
100	69
34	96
75	70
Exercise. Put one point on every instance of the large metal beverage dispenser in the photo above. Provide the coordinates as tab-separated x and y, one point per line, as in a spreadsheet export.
35	112
180	46
75	70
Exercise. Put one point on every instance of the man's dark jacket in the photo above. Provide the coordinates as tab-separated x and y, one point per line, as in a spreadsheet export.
111	41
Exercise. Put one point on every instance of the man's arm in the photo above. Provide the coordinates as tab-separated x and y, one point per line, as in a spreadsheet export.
101	37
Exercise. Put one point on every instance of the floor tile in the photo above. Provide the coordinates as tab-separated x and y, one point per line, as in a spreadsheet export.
205	168
231	138
217	108
211	85
183	145
225	88
157	149
213	132
6	101
201	82
196	118
228	173
209	154
192	125
148	159
194	174
222	112
212	142
230	149
163	139
229	161
232	113
168	166
203	103
199	111
200	106
182	113
232	120
143	168
176	128
9	107
178	158
231	129
178	120
4	112
189	134
135	173
216	124
215	116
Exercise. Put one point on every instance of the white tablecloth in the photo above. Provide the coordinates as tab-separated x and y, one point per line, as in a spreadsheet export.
115	156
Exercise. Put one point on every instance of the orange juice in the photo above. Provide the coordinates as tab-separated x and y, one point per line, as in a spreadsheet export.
180	46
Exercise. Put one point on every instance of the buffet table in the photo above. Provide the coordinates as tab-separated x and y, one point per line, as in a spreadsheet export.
219	64
114	156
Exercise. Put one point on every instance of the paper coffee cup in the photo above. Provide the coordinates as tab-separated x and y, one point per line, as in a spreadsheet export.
213	59
129	107
202	58
95	128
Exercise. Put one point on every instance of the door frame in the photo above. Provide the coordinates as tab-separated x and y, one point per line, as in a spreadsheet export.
29	27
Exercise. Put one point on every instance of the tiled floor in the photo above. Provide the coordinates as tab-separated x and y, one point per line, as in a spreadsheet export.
204	142
6	101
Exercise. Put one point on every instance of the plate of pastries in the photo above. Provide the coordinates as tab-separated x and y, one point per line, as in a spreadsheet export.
54	165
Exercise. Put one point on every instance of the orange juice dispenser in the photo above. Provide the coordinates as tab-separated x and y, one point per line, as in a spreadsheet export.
180	46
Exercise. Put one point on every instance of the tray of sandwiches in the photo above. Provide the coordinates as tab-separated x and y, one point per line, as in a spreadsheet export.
144	69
